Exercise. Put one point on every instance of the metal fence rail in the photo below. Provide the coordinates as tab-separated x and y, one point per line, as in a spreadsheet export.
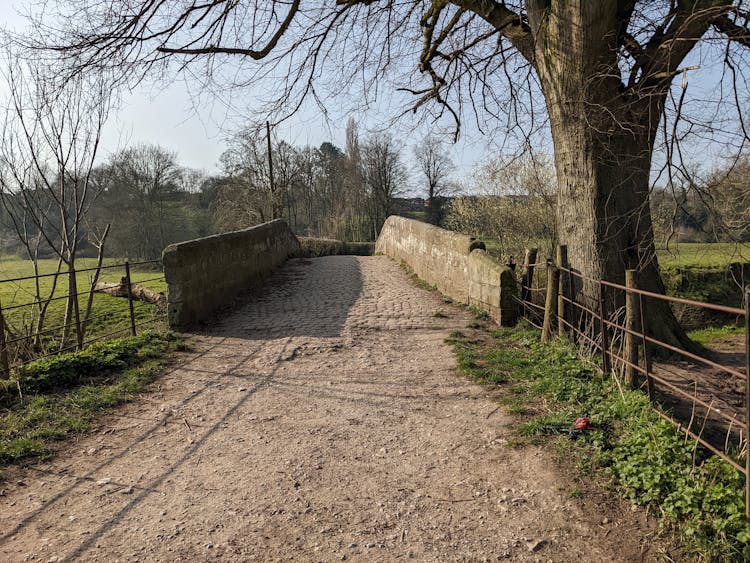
608	318
19	346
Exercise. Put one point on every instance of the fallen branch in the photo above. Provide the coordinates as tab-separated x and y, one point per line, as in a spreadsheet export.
137	292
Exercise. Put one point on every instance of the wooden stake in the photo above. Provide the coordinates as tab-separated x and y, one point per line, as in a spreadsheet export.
550	305
4	363
562	308
528	273
129	288
632	323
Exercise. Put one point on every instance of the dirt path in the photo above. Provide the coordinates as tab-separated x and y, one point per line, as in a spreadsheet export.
322	421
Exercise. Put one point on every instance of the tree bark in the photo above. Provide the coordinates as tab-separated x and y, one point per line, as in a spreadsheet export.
603	145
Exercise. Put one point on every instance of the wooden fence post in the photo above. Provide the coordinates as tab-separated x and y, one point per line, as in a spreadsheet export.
528	274
606	366
130	297
73	294
4	363
550	305
562	308
747	402
632	327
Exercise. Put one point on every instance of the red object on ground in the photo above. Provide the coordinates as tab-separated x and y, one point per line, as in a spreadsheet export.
582	423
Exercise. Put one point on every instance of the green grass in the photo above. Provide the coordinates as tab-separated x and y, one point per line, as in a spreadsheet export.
706	336
647	459
60	397
109	314
479	313
703	255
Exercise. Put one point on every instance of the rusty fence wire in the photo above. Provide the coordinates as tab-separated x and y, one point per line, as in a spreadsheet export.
705	393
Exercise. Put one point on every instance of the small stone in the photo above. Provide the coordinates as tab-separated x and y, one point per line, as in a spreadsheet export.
242	389
91	451
352	545
605	520
104	481
126	491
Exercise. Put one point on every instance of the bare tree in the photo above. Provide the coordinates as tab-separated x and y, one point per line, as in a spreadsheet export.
247	196
384	176
435	166
513	202
49	144
605	70
144	181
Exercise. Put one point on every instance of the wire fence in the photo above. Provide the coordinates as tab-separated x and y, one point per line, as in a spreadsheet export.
703	392
46	314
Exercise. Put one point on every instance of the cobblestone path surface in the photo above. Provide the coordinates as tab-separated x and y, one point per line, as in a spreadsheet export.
323	420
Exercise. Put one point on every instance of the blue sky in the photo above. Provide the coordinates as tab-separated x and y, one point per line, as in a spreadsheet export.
196	127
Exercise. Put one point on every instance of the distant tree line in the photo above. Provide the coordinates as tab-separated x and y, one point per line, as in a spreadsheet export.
149	201
714	209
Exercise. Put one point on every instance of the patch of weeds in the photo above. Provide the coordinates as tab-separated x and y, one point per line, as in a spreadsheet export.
475	325
76	368
516	407
648	459
423	284
517	443
455	335
479	314
573	492
60	398
708	335
440	314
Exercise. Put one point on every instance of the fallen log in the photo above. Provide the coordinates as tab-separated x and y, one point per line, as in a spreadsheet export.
137	292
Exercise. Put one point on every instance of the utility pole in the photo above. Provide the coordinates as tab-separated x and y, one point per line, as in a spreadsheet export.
274	207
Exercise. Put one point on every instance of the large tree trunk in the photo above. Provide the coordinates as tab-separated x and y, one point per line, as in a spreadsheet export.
603	145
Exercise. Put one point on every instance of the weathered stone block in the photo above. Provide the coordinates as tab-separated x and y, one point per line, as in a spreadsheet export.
456	264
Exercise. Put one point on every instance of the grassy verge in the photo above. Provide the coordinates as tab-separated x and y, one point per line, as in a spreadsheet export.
643	457
58	397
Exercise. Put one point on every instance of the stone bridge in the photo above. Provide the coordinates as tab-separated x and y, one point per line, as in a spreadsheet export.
320	419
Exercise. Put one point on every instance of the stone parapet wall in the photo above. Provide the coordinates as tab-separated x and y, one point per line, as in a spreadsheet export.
208	273
456	264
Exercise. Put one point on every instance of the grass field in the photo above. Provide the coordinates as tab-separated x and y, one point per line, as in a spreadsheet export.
109	314
703	255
